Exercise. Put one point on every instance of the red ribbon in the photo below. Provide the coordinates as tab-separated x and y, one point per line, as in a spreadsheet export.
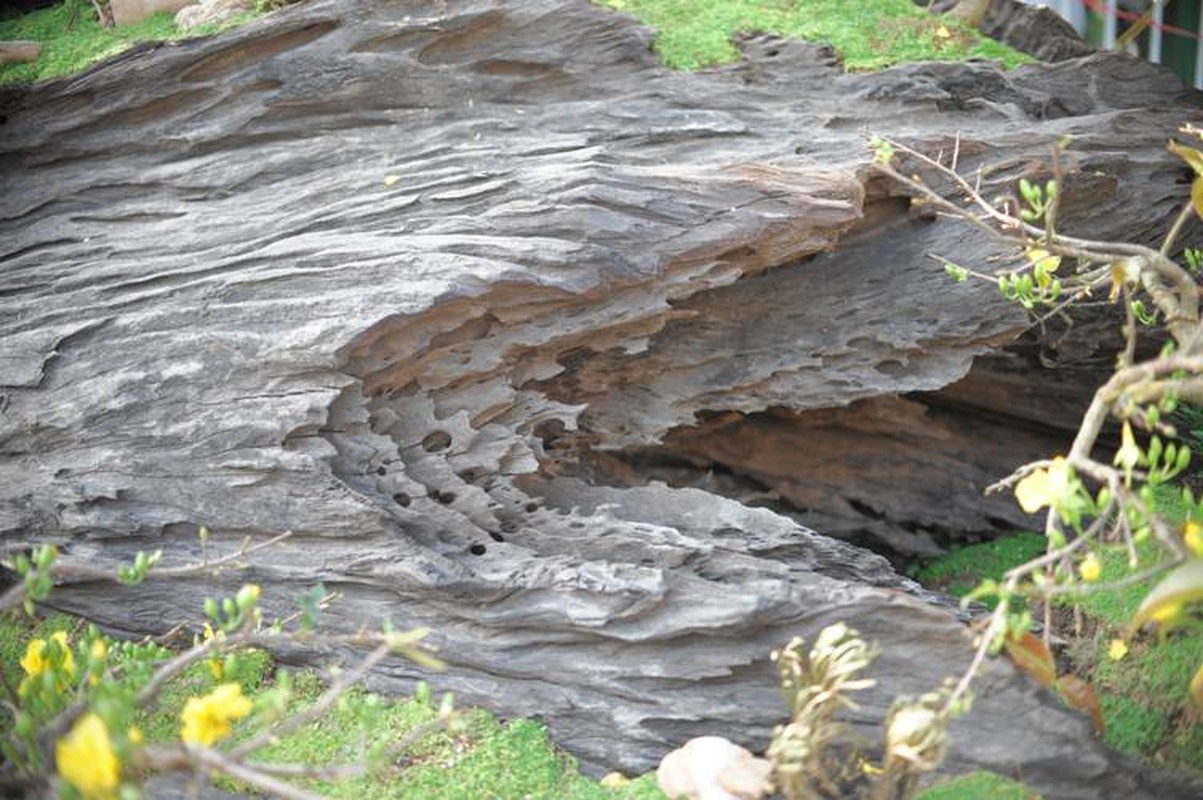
1100	7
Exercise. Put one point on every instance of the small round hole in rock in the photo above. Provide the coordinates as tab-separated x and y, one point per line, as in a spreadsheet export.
497	537
471	474
435	441
446	498
477	549
402	499
532	508
381	471
549	430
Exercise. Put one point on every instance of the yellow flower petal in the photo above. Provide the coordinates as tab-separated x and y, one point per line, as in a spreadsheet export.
86	759
32	662
1117	650
1091	568
1128	455
1192	535
37	661
1043	487
207	719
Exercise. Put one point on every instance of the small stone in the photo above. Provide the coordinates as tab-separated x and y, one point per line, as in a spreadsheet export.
712	768
128	12
210	12
18	51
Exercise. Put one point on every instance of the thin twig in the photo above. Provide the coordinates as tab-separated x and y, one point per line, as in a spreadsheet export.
323	704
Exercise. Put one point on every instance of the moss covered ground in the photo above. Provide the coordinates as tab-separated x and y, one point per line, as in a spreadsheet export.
1144	695
867	34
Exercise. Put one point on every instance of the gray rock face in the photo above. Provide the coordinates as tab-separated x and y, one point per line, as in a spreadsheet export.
397	278
210	12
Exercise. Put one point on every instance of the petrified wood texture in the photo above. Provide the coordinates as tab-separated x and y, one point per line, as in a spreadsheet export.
390	275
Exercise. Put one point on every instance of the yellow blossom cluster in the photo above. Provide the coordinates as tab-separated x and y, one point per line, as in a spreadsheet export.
37	661
207	719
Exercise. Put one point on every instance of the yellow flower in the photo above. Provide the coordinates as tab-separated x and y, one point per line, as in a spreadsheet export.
1128	454
1117	650
36	661
207	719
1091	568
1044	486
32	662
1192	534
99	649
135	735
247	596
86	759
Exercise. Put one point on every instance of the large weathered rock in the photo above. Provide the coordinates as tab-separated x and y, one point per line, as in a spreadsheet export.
406	280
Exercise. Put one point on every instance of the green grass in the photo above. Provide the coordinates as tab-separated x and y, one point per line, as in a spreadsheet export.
978	786
958	572
481	758
161	722
73	39
1144	696
868	34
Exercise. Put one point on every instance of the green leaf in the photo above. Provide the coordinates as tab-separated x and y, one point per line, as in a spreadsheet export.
957	273
1166	603
1190	155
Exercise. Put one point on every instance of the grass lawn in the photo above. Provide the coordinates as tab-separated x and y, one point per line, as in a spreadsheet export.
869	34
73	39
1144	696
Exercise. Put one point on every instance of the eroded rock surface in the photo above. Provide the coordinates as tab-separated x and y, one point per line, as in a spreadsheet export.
403	278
